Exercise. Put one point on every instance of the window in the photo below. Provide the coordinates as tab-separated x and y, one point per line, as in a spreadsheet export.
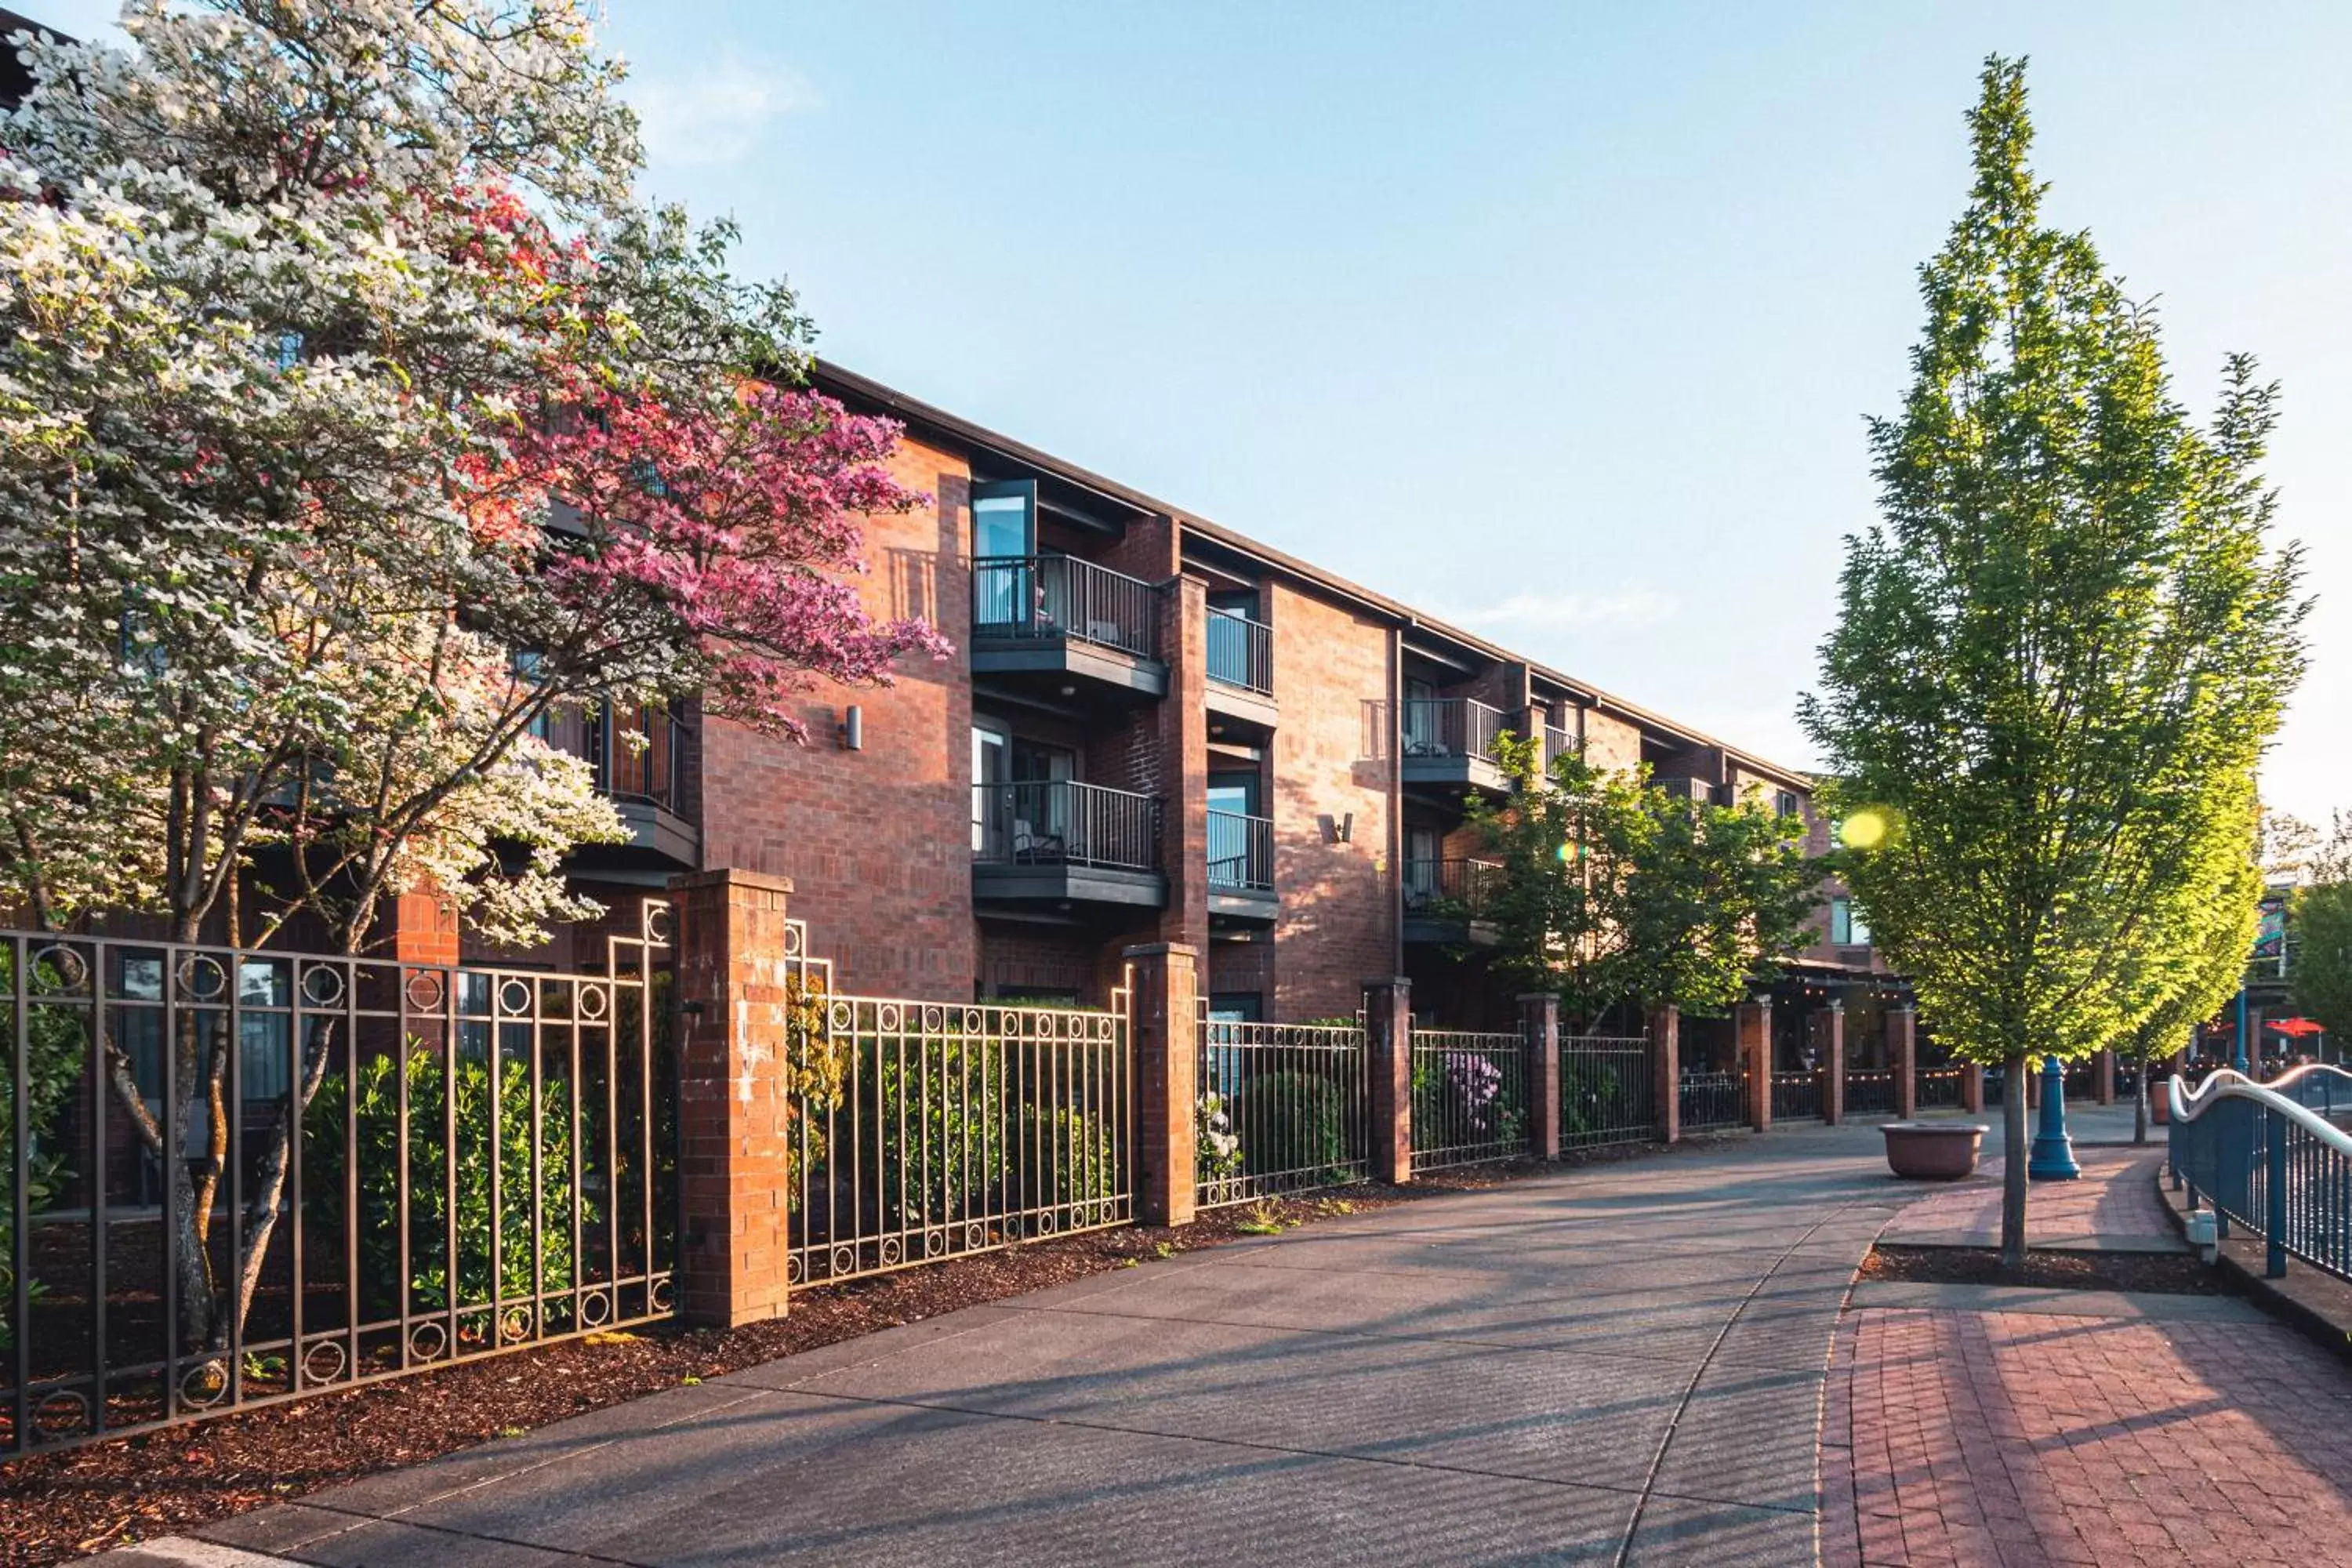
1848	928
1785	803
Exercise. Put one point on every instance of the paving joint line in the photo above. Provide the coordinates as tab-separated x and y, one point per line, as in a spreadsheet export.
1674	1423
1260	1447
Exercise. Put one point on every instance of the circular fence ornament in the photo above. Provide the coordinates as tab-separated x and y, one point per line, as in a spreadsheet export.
975	1021
424	990
843	1016
794	1270
889	1018
658	922
844	1261
427	1341
595	1001
515	1325
935	1243
935	1018
975	1236
893	1253
662	1294
59	971
321	984
203	978
514	997
324	1363
205	1386
62	1413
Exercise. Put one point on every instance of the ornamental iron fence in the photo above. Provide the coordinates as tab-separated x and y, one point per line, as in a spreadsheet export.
1469	1098
1869	1091
1608	1090
232	1177
928	1130
1282	1107
1942	1089
1713	1102
1796	1096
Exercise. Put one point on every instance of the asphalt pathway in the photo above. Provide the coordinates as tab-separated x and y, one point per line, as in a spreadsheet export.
1616	1364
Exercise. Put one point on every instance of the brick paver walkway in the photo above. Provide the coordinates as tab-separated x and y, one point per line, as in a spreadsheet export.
2114	1204
2107	1430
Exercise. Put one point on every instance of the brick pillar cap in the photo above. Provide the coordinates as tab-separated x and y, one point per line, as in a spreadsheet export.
1156	949
731	876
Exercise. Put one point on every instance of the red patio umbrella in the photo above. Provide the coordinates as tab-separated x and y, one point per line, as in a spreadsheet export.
2297	1027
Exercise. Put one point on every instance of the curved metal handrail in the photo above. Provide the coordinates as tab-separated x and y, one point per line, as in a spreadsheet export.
2229	1083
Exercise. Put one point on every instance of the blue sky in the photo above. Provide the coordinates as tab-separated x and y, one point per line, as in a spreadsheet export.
1558	320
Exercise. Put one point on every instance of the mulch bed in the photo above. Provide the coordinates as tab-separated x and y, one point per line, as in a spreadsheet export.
2157	1273
81	1500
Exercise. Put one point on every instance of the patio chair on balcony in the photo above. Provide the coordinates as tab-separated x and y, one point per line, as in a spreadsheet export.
1031	846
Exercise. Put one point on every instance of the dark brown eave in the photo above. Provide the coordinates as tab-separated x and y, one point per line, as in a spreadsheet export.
927	420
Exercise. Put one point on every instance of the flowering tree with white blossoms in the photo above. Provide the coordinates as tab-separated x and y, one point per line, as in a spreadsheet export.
355	418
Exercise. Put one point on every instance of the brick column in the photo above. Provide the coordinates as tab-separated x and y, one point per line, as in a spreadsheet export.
734	1115
1164	994
424	928
2107	1079
1972	1089
1539	1027
1388	1041
1183	739
1903	1055
1666	1069
1752	1028
1829	1035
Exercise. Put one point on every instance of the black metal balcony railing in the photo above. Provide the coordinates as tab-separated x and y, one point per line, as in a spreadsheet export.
1240	651
1441	887
1061	595
1241	852
1061	822
642	774
1449	727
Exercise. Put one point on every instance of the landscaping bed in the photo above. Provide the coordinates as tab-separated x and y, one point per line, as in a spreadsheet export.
2157	1273
80	1501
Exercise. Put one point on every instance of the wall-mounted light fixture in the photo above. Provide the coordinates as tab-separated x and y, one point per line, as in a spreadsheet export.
853	727
1338	829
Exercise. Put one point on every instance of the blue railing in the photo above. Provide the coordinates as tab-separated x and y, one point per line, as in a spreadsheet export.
2269	1158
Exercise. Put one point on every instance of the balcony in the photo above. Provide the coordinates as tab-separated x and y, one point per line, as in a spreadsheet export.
1450	741
1240	657
1556	743
1241	865
638	756
1056	617
1443	900
1061	842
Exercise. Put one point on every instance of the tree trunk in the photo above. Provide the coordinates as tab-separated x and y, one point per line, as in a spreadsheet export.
2013	1157
2140	1101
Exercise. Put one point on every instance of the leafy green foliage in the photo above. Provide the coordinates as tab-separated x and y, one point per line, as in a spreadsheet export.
2061	650
940	1140
58	1048
2321	920
535	1151
1294	1122
1612	890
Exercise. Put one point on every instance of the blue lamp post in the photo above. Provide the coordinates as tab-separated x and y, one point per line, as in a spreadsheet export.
2053	1159
2238	1055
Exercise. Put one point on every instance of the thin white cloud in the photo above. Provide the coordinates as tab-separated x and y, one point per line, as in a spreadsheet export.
1618	607
720	113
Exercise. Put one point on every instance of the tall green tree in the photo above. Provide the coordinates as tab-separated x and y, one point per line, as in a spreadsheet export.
2319	924
1612	890
2061	651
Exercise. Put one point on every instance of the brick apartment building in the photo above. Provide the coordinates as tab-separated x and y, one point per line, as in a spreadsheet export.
1154	730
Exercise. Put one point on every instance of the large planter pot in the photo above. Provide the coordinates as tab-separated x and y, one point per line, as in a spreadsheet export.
1932	1151
2160	1105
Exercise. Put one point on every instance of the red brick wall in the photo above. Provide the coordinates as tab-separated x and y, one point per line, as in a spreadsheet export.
1338	912
877	843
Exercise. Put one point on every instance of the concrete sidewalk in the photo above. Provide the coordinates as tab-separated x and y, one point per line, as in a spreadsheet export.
1617	1359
